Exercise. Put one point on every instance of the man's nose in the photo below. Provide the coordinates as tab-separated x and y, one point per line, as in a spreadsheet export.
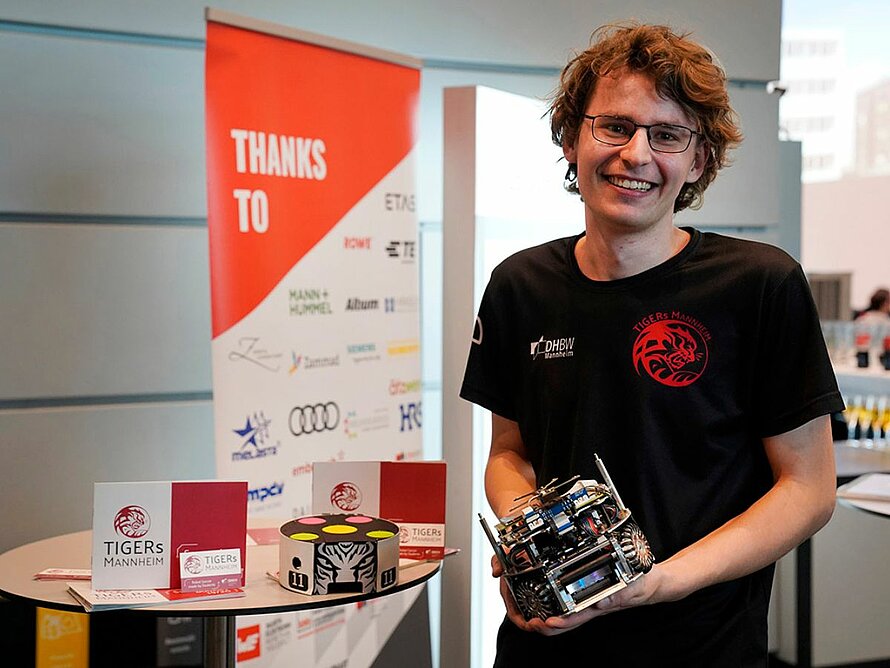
637	151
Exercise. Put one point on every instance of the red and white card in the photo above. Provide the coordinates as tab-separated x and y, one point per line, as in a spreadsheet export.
141	530
411	494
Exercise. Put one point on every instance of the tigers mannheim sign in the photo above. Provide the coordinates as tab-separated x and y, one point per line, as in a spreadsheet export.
141	530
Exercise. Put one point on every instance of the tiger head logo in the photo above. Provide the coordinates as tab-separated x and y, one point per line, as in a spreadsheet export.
132	522
345	567
193	565
672	352
346	496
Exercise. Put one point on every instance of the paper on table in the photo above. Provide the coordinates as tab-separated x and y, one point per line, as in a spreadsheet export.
872	487
114	599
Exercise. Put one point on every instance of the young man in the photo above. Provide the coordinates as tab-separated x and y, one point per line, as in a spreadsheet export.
692	363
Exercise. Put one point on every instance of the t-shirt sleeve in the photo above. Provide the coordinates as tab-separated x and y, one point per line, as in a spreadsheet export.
796	378
488	378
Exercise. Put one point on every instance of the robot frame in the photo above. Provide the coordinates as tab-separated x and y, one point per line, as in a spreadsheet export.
566	550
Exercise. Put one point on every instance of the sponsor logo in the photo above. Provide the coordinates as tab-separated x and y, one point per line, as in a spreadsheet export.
404	250
553	348
318	621
311	301
262	493
354	423
408	304
250	350
402	456
411	416
255	433
357	243
404	534
363	352
357	304
248	643
277	632
404	386
398	202
346	496
404	347
306	362
671	348
132	522
301	469
314	418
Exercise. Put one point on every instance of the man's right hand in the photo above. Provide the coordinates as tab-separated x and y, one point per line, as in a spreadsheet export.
552	626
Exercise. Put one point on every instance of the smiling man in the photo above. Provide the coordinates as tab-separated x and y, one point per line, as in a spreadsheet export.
692	363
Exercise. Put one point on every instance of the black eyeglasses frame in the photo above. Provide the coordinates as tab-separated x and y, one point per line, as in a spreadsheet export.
636	127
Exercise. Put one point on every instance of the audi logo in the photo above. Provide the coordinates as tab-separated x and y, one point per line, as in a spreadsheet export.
314	418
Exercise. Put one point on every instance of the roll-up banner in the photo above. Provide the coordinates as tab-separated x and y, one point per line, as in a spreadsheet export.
311	148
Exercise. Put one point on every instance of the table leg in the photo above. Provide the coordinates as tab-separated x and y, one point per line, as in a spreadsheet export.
219	642
804	554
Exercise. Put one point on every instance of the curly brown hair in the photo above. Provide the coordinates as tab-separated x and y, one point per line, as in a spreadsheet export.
683	71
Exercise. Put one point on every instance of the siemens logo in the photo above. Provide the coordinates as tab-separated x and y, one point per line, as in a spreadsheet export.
262	493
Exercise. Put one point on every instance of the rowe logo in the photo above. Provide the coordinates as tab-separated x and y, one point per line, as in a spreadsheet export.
132	522
248	643
553	348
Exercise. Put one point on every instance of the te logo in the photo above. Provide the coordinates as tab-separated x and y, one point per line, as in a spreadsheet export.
406	250
412	416
248	643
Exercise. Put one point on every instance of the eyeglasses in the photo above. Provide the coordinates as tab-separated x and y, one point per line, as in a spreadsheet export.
663	137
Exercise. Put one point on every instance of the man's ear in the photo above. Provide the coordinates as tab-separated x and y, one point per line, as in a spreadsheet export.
570	152
698	165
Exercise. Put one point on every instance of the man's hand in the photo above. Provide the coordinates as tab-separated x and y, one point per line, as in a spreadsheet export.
642	591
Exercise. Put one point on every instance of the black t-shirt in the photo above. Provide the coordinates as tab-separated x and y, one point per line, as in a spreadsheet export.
673	376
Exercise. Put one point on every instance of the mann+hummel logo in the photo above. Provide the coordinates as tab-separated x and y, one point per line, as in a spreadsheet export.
553	348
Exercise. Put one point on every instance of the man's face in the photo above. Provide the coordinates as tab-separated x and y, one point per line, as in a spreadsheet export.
631	187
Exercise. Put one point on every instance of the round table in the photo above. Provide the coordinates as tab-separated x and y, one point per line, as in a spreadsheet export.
263	594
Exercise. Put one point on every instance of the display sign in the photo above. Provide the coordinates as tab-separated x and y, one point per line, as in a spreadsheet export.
312	223
142	530
411	494
311	149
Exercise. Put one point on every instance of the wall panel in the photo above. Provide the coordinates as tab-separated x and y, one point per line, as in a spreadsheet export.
53	456
523	32
98	127
103	310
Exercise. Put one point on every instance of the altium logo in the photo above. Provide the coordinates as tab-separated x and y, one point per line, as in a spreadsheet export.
356	304
553	348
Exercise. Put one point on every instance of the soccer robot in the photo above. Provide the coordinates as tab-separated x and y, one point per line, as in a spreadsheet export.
566	550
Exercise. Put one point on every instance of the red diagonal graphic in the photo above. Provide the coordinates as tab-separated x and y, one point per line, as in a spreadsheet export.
355	113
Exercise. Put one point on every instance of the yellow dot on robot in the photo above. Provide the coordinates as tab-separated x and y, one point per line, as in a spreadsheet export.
306	535
380	534
339	529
